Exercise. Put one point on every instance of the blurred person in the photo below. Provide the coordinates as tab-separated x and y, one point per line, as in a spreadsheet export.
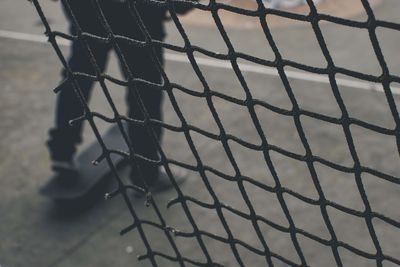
63	138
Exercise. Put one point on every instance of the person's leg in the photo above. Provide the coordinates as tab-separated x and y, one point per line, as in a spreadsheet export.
141	66
63	138
142	141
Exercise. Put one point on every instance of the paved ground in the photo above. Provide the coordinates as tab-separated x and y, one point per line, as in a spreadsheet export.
33	233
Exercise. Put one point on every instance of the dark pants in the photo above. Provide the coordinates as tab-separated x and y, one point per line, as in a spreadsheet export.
64	138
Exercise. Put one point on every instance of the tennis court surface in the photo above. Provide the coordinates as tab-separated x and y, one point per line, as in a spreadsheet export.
305	197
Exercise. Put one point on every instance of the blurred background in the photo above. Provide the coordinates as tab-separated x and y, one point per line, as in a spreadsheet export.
33	233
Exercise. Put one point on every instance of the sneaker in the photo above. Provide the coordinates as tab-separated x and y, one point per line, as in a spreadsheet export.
65	172
163	182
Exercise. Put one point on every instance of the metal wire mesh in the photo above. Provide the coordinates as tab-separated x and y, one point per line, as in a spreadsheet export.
345	121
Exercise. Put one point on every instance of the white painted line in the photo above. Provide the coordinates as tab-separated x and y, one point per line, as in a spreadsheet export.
311	77
23	36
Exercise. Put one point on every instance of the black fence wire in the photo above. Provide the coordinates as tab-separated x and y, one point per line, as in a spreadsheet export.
345	121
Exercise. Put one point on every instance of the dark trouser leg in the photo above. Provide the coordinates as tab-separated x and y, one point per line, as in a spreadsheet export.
143	142
63	138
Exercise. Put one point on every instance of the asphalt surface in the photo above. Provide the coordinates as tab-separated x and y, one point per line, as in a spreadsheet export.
34	233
